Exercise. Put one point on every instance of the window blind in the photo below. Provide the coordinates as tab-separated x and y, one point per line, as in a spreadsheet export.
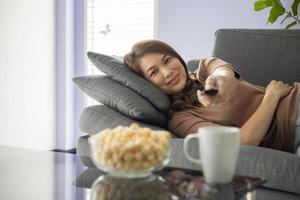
113	26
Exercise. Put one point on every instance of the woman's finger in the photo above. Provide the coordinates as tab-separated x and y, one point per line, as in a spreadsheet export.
203	99
210	83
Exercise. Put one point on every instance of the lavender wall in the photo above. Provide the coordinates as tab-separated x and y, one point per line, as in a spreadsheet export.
69	63
189	26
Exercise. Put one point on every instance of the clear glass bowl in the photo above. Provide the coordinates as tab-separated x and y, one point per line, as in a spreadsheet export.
127	152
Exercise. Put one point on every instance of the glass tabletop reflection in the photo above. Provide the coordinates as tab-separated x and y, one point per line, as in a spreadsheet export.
33	174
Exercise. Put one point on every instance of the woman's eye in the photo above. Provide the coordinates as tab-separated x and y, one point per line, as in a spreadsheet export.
168	59
153	72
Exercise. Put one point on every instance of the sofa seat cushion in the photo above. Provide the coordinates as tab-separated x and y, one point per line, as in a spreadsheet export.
120	98
117	70
280	169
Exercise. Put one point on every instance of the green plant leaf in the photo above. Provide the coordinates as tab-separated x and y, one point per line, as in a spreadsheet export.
275	12
262	4
291	24
295	7
288	15
276	2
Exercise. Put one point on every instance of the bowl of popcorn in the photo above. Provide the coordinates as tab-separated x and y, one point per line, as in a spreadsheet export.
130	151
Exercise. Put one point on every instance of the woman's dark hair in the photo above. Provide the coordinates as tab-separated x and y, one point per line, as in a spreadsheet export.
179	101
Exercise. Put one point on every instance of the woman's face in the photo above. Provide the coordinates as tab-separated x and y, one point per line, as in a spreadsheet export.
164	71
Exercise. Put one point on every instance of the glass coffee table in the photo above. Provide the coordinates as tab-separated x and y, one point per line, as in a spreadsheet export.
47	175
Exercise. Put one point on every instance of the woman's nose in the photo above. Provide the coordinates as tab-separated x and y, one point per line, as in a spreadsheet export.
167	73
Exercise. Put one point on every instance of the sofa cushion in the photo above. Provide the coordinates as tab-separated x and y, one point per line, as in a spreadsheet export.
121	98
98	117
117	70
192	64
280	169
261	55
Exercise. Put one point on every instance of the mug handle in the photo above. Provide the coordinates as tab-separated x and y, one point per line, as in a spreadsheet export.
185	148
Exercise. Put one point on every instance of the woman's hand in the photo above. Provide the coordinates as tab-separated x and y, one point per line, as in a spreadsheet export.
225	85
254	130
278	89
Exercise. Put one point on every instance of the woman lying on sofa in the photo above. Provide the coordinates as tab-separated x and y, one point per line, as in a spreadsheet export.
215	94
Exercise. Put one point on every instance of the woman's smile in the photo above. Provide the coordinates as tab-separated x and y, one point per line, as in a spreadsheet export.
174	80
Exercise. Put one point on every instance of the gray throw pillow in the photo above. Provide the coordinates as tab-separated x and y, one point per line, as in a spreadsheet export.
121	98
117	70
109	118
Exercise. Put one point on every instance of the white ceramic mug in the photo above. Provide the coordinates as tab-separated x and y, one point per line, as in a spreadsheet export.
218	150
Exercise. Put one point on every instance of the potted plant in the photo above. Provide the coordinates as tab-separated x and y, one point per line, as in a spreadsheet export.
277	9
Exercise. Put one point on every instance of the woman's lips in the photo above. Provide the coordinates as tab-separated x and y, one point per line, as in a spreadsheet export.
174	80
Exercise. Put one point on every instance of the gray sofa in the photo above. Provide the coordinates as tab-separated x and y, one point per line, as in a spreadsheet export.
259	55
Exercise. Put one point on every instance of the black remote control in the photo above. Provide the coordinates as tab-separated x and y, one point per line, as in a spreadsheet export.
211	92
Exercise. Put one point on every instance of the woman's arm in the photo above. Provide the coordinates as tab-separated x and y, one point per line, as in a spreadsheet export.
224	71
254	130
